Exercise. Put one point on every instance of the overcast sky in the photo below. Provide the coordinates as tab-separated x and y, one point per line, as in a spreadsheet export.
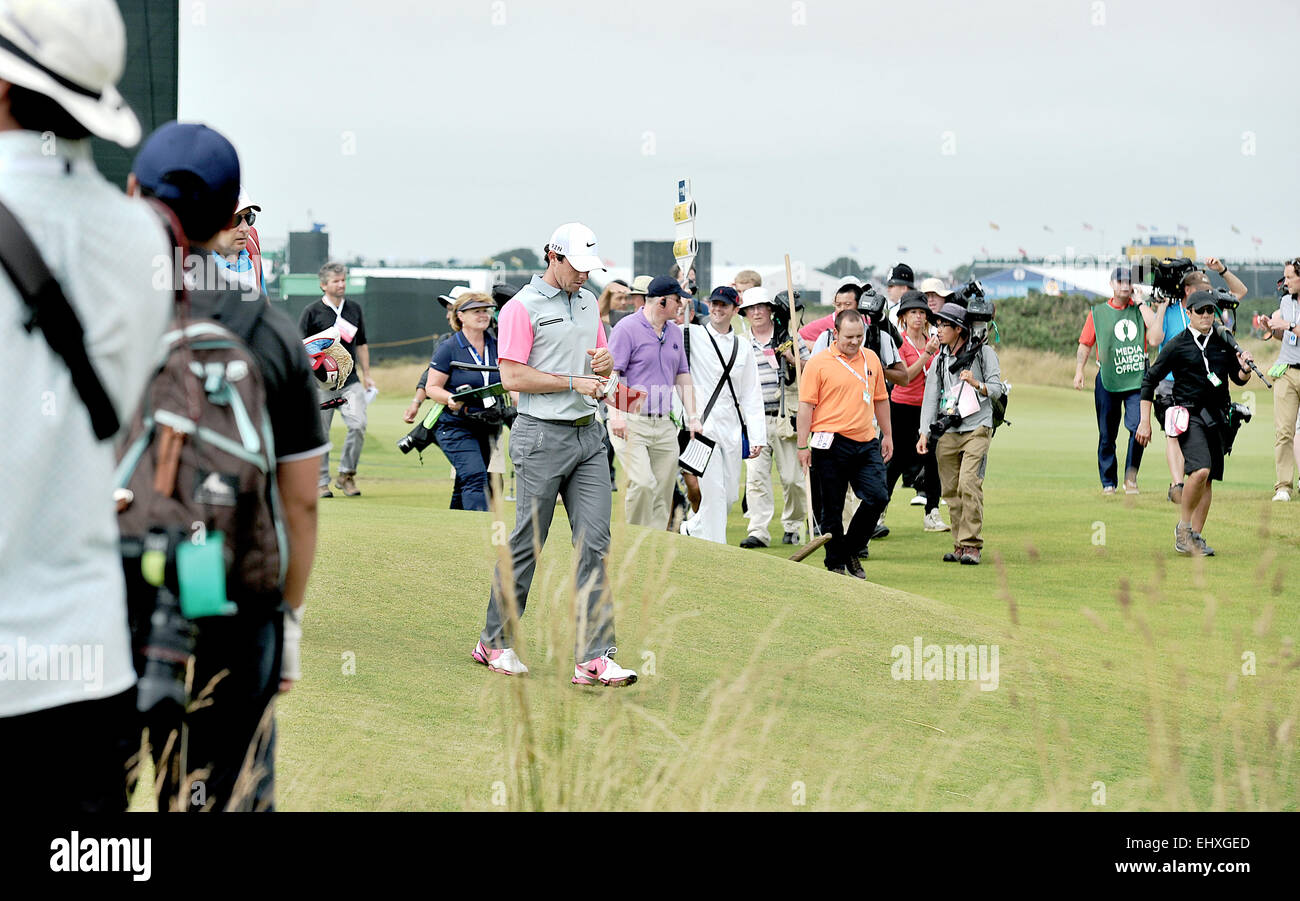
458	128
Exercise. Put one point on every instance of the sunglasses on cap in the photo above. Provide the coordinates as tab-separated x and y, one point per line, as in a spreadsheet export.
250	217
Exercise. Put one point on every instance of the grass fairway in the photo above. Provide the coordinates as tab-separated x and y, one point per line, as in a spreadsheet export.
1128	678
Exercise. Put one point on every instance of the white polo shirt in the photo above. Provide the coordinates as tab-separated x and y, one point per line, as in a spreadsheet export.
63	626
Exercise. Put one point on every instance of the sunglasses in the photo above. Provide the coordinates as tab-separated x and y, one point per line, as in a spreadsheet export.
250	217
1206	308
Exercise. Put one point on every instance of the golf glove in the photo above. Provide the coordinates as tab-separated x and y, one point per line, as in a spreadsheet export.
291	664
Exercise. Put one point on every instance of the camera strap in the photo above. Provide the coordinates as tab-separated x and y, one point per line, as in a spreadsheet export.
51	312
726	376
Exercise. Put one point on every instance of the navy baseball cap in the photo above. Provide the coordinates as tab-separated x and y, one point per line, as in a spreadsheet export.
663	286
725	294
195	171
1121	274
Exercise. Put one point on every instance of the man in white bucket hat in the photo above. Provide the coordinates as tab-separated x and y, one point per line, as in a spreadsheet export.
68	730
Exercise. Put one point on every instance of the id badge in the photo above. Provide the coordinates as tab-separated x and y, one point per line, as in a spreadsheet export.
821	440
1291	338
1215	380
866	397
489	401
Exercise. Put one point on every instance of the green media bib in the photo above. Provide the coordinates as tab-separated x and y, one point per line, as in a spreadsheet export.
1121	346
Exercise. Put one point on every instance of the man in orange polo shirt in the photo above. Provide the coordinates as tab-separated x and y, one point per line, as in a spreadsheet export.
842	386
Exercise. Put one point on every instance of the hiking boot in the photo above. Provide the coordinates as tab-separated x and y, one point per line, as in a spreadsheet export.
346	484
1176	493
499	660
854	569
971	556
325	491
1183	542
933	522
790	538
954	555
1201	547
602	670
753	541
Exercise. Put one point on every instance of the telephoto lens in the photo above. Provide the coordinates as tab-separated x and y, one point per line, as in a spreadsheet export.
167	655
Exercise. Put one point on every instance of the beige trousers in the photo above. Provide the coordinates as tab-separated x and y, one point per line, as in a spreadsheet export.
759	495
649	459
1286	405
962	457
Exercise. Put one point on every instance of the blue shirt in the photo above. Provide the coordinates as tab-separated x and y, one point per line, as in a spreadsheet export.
455	348
1176	319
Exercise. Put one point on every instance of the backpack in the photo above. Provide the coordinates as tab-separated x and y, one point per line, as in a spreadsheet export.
196	469
1000	404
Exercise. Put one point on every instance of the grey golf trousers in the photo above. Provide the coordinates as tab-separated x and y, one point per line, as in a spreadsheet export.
555	459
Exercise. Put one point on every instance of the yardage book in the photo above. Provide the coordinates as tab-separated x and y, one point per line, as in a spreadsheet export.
695	451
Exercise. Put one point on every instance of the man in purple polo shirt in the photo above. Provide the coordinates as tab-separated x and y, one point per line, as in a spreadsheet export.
649	356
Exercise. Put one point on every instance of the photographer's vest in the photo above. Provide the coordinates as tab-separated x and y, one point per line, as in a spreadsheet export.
1121	346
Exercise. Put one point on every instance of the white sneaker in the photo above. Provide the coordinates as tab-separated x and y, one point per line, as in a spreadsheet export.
934	522
1282	495
917	501
603	670
500	660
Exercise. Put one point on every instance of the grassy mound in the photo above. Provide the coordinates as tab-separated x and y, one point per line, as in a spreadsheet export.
1127	677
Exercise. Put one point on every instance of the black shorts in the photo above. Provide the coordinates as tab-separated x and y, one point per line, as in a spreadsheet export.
1202	448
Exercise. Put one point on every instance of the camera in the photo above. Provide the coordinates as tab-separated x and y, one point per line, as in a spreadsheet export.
1167	277
941	424
1226	299
871	302
417	439
1238	415
978	307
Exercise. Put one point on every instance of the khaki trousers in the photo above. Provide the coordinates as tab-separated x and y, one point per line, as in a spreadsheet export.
759	496
649	458
962	457
1286	405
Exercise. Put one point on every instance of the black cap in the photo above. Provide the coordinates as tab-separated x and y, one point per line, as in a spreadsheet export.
913	300
725	294
1121	274
664	286
1201	299
502	293
901	274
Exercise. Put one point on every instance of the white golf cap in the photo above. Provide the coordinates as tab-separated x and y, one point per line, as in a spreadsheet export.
936	286
451	296
578	245
73	52
752	297
246	202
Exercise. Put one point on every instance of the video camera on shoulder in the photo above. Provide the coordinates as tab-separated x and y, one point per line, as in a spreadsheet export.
978	307
1167	277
